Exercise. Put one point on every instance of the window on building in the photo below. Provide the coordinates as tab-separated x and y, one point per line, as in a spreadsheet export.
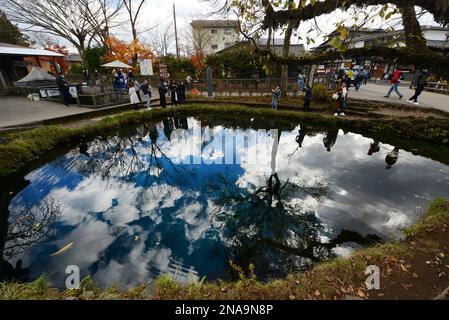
214	47
214	31
228	32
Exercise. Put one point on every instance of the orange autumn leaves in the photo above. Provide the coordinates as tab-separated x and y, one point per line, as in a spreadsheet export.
126	52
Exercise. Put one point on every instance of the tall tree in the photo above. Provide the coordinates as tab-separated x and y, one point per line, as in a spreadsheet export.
10	33
161	39
65	19
134	8
101	15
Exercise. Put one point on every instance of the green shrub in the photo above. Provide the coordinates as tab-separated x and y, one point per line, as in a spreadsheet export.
321	93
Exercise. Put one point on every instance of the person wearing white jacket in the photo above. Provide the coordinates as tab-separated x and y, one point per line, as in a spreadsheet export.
134	99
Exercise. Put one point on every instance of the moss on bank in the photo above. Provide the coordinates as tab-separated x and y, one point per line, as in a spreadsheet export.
328	280
20	149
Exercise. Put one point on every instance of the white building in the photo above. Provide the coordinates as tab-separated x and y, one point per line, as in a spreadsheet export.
211	36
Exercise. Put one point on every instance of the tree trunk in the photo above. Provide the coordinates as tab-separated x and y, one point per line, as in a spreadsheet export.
414	38
285	53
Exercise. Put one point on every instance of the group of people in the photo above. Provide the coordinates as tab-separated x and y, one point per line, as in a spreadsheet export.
420	83
134	90
303	87
177	92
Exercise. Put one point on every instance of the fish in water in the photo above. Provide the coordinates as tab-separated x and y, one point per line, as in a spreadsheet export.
63	249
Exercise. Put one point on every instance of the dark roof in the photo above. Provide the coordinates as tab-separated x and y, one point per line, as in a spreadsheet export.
215	23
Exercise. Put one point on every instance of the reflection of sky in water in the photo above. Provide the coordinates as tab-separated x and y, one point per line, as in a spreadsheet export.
130	223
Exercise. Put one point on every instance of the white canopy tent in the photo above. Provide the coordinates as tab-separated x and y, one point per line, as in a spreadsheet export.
37	74
117	64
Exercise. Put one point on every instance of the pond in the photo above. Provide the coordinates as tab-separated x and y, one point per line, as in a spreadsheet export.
184	196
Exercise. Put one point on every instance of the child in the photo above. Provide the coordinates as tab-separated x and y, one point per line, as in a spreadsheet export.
342	93
276	97
307	98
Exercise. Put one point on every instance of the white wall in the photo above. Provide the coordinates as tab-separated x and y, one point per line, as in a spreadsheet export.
439	35
221	39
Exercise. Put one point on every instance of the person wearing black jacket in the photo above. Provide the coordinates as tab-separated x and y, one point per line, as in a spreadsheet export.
64	90
174	94
162	92
182	93
307	98
421	83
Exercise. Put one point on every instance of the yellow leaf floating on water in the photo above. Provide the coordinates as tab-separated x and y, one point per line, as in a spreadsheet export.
64	249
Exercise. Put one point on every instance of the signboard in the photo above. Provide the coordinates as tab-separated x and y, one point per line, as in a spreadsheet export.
146	67
73	92
53	93
163	71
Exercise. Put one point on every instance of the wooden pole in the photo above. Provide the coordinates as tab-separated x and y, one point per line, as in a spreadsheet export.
176	31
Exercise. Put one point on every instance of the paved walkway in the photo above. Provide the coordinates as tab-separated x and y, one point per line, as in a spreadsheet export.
376	92
16	111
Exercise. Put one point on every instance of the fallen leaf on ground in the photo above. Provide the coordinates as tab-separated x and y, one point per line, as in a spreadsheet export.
414	275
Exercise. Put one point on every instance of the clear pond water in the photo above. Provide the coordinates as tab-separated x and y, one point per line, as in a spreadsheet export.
183	197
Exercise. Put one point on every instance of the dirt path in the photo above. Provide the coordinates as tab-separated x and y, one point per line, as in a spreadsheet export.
423	276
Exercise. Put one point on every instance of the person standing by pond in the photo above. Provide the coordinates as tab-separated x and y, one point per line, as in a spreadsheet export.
276	93
162	92
395	81
421	83
308	97
301	81
341	94
146	90
174	93
64	89
182	93
134	99
138	87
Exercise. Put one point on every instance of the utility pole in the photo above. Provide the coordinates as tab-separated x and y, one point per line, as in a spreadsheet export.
176	31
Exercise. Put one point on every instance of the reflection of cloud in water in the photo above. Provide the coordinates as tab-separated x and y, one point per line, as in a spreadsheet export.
131	224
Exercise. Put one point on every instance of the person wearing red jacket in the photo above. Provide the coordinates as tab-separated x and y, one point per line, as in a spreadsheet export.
395	84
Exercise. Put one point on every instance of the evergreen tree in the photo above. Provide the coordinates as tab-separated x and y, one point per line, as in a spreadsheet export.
10	33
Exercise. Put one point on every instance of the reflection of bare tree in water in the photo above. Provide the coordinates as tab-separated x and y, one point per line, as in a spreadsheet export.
30	226
268	226
24	229
119	159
